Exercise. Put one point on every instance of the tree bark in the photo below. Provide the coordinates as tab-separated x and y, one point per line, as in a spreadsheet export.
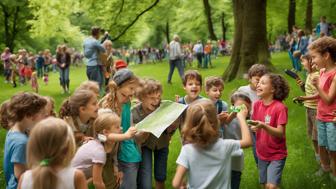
309	16
167	31
291	16
250	42
207	11
223	26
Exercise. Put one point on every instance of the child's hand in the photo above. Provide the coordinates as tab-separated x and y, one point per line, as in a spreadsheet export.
299	82
119	177
130	133
256	125
242	114
223	116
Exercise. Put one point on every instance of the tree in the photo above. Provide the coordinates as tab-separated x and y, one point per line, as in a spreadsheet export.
309	16
224	26
291	16
207	11
250	43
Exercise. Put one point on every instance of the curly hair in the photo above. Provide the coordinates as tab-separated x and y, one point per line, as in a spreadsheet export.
280	86
25	104
192	74
201	125
148	86
4	122
213	81
324	45
257	70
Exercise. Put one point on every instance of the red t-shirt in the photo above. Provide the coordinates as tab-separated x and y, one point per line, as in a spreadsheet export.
269	147
325	111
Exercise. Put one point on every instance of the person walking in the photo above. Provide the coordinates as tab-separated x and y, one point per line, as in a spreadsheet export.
175	55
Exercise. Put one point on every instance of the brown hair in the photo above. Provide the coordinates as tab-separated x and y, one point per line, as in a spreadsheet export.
213	81
95	30
257	70
25	104
280	86
240	96
324	45
80	98
89	85
51	141
309	60
110	100
51	101
4	122
192	74
201	125
148	86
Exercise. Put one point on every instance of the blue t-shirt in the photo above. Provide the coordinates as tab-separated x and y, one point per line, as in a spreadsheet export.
129	151
15	152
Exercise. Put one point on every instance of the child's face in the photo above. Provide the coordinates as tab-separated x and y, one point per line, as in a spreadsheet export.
254	80
264	87
91	109
116	128
49	108
151	101
317	59
215	93
240	102
192	88
305	63
125	93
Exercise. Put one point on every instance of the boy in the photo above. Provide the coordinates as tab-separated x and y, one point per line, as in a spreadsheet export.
192	83
150	98
214	87
254	74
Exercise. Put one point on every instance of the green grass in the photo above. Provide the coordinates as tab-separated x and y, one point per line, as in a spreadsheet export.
300	164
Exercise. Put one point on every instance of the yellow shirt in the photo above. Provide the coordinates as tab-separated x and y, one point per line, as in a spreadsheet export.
311	90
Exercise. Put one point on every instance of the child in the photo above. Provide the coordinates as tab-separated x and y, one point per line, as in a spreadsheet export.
232	131
91	156
15	71
89	85
24	111
121	90
79	111
45	78
150	98
50	107
311	105
205	150
213	88
4	122
192	84
34	82
254	74
50	149
270	118
323	53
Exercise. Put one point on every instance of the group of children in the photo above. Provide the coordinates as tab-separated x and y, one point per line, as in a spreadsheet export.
94	144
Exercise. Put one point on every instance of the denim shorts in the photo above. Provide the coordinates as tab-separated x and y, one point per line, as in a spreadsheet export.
327	135
270	171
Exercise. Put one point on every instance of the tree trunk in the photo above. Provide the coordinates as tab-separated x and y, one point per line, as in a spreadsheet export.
250	43
309	16
291	16
207	11
167	31
223	26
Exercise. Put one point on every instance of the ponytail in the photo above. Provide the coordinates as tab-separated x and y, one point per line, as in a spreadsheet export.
110	100
65	109
44	177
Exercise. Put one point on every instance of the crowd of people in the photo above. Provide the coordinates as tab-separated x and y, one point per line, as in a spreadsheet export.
91	142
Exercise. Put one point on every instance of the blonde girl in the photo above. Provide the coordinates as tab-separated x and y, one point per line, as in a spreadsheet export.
205	150
50	149
79	111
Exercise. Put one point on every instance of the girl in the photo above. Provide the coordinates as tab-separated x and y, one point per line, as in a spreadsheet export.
270	118
50	107
89	85
121	89
205	150
50	149
311	105
23	112
232	131
79	111
34	82
63	61
323	53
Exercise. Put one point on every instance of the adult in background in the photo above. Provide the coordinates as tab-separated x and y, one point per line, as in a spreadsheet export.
92	51
5	56
63	62
323	27
175	55
198	50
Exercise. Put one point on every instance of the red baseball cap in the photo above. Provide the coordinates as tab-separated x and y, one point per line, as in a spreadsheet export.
120	64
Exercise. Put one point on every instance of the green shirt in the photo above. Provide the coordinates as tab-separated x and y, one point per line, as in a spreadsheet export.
129	151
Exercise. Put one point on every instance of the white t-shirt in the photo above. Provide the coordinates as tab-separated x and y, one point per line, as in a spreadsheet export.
88	154
251	94
210	167
66	179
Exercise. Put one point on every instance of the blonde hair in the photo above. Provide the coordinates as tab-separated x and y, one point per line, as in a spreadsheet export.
148	86
201	125
89	85
110	100
52	142
106	120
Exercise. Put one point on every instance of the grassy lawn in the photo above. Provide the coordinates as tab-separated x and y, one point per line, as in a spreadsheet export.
300	164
